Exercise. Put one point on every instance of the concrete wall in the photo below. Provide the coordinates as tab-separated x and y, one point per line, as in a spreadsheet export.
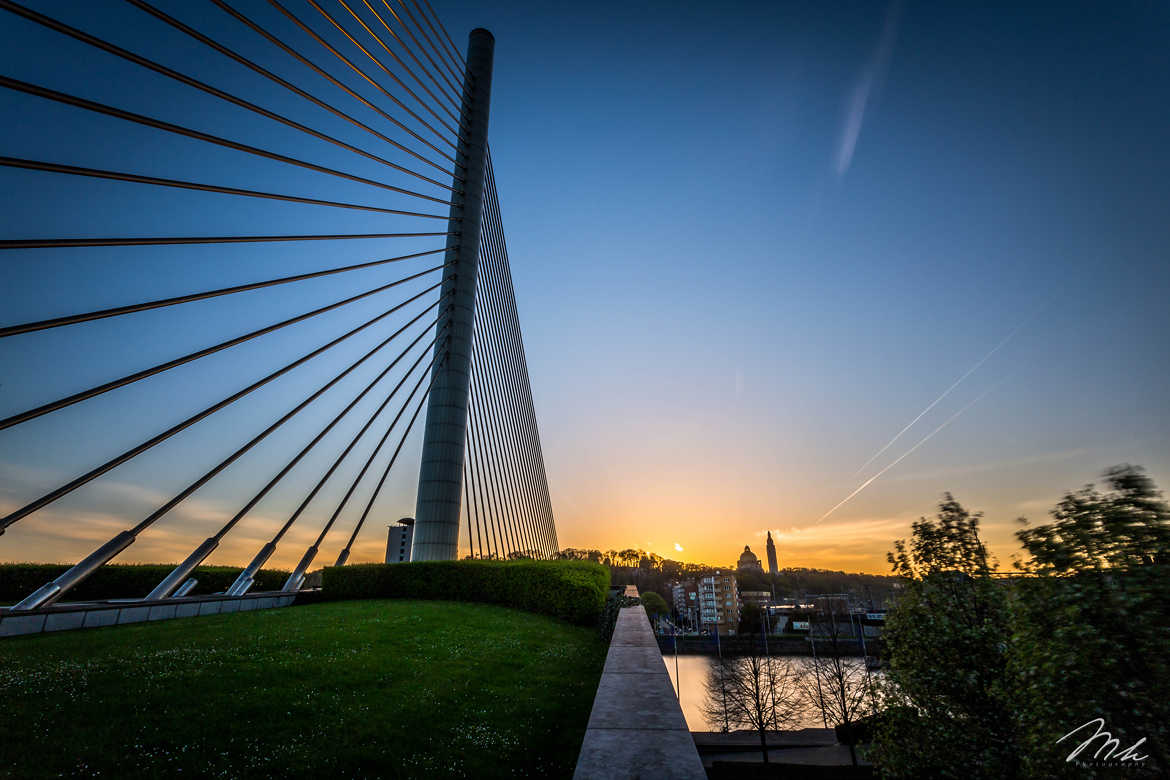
636	728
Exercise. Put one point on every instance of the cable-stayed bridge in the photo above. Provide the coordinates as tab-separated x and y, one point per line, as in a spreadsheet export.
297	381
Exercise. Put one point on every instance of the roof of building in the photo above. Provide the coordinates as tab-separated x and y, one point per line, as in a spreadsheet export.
748	559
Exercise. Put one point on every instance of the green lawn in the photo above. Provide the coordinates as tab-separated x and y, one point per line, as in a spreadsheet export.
348	689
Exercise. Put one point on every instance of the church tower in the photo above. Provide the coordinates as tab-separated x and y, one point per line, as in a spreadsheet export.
773	567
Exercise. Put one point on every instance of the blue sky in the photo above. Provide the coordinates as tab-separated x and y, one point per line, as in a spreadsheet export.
750	243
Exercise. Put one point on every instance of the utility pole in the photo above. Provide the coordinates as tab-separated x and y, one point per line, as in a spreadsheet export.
440	478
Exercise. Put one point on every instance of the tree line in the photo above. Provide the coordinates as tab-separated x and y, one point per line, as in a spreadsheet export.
654	573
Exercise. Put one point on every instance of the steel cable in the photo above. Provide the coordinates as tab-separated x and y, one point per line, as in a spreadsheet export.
454	94
133	452
137	59
393	458
130	116
502	369
440	102
117	311
178	25
136	178
337	83
296	20
61	403
223	464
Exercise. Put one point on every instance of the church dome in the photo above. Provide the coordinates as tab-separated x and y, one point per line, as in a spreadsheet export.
748	559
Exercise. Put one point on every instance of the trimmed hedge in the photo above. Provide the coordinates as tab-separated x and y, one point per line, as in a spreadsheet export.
571	590
123	581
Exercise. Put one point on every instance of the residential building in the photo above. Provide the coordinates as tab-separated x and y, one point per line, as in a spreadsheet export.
719	603
686	602
398	541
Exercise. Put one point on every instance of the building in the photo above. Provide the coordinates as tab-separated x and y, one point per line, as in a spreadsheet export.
719	603
761	599
773	566
398	541
748	561
686	602
757	598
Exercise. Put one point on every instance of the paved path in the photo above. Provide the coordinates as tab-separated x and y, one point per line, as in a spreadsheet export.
636	729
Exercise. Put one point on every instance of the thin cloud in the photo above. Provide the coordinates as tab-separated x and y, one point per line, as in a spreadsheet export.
945	393
869	83
905	454
840	544
981	468
841	530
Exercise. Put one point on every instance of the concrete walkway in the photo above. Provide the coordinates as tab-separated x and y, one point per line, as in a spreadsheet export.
636	729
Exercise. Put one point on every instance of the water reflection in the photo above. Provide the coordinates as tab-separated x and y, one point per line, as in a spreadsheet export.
694	670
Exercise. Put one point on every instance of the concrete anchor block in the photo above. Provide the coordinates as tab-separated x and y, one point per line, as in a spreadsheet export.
162	612
19	625
133	615
64	621
97	618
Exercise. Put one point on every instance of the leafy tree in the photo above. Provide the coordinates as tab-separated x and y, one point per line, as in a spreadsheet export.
1121	530
751	620
948	705
753	580
1093	623
654	604
754	691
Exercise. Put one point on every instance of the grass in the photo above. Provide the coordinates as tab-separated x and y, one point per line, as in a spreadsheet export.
349	689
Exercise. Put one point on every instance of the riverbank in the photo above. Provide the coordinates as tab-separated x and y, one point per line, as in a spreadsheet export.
777	645
797	754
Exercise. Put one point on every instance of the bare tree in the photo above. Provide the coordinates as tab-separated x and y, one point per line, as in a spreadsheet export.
754	691
840	686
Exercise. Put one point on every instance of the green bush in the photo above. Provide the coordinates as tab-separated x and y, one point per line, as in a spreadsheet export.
654	604
123	581
571	590
614	603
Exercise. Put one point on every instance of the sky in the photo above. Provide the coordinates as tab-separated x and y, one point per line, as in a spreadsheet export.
751	243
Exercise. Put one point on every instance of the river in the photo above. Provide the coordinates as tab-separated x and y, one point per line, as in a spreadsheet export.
693	671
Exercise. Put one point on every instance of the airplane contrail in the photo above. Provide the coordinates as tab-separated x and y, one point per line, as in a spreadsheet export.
945	393
901	457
